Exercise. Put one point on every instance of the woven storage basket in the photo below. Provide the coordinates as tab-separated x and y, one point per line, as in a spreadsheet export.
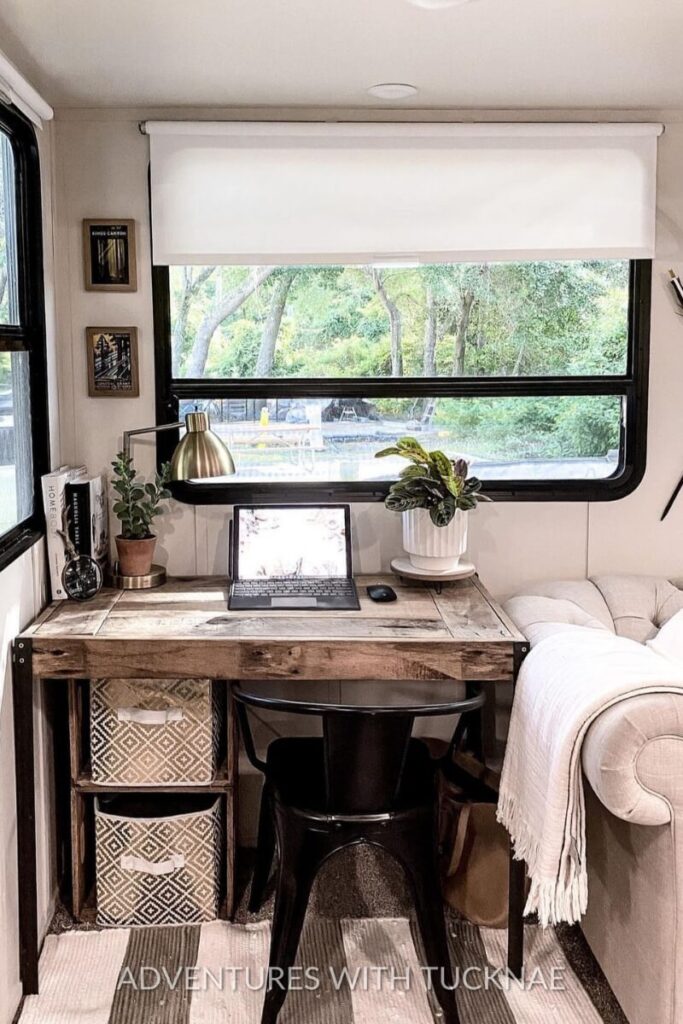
147	732
156	866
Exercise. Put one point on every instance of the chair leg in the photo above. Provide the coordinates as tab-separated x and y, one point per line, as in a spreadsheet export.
297	869
417	852
265	851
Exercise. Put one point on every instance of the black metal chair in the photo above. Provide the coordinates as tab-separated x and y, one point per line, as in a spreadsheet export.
365	780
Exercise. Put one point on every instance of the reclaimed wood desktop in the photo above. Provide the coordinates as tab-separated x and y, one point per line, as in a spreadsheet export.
184	629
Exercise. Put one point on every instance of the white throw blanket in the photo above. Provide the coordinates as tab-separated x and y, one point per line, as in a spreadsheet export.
569	678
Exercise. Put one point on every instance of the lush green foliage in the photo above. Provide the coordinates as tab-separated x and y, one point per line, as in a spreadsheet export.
524	318
5	371
138	503
431	481
472	320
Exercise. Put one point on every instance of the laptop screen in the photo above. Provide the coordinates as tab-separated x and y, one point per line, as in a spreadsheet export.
311	540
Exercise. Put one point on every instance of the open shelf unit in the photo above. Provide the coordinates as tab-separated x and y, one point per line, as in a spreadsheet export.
82	791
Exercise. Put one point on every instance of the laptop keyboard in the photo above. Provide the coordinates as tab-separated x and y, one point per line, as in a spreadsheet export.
326	586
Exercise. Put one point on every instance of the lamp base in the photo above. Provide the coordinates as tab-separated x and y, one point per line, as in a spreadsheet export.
154	578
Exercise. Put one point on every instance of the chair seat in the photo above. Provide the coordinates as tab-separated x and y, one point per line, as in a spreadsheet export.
296	769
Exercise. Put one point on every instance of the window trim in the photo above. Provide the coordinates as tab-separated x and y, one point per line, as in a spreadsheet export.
632	386
29	335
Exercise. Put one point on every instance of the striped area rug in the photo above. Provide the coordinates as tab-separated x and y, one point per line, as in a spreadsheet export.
353	971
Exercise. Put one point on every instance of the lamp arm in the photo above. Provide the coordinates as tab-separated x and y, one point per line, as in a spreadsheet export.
127	434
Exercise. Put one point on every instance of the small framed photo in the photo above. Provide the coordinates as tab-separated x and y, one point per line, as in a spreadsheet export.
112	362
109	256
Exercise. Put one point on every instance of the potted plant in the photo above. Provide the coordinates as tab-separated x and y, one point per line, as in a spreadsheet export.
137	505
435	494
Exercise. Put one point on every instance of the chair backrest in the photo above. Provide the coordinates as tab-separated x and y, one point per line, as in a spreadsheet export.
366	749
365	756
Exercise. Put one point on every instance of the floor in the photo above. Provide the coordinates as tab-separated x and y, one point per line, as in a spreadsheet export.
364	882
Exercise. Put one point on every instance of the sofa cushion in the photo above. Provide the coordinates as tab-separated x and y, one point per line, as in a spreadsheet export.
635	607
639	605
553	607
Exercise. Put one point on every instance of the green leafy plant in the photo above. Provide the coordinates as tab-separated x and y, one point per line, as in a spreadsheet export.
138	503
432	481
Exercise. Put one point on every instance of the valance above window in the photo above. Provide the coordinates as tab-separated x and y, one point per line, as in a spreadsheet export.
291	193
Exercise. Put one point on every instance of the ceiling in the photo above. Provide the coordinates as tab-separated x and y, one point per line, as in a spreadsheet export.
486	54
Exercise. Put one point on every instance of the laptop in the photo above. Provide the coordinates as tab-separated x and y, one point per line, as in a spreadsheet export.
292	557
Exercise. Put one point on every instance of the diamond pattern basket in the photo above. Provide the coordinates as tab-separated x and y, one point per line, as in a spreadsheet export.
157	870
147	732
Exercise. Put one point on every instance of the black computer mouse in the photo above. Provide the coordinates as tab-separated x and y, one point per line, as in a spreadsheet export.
380	592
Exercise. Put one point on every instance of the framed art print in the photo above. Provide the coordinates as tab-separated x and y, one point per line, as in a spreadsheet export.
109	256
112	362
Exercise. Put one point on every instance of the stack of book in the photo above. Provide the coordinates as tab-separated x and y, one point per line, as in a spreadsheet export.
75	506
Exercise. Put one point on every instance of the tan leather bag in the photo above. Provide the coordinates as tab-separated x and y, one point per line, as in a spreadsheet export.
474	869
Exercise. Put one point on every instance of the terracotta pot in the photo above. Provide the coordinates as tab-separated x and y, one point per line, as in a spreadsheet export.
135	555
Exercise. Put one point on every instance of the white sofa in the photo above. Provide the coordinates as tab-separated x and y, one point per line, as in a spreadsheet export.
633	760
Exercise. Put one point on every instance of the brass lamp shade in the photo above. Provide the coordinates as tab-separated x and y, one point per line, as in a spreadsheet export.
200	453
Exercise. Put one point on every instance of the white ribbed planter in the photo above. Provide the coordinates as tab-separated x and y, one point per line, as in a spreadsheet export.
434	547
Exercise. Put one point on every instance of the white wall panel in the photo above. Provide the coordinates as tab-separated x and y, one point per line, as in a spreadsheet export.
102	172
627	536
21	588
514	544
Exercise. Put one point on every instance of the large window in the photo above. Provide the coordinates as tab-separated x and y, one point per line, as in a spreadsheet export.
535	372
23	429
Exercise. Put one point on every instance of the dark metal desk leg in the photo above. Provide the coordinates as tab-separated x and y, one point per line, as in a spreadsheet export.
22	688
231	809
516	916
517	874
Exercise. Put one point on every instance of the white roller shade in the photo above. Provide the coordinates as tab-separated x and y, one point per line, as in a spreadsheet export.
238	192
15	89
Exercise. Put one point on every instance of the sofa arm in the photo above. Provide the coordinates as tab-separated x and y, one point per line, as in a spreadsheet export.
633	758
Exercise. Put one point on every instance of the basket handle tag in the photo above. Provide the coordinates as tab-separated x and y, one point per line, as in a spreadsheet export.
151	867
144	716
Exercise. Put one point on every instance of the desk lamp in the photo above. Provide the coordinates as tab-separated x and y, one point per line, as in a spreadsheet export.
199	455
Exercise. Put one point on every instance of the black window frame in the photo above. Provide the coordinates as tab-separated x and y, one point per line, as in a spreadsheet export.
29	334
632	386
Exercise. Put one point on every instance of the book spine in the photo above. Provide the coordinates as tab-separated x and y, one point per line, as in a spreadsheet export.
99	522
53	499
54	502
78	500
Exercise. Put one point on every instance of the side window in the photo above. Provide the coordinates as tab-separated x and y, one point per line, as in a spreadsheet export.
23	415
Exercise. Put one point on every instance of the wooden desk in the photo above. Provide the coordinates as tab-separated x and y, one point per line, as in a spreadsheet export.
184	629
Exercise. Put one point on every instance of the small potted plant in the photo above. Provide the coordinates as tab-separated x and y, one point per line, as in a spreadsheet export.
137	505
434	493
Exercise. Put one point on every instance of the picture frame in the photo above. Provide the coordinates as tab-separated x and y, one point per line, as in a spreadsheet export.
109	256
112	354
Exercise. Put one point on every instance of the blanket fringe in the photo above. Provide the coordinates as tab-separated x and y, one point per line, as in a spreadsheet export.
554	900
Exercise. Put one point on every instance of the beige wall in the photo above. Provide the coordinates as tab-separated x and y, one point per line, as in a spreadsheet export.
101	168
